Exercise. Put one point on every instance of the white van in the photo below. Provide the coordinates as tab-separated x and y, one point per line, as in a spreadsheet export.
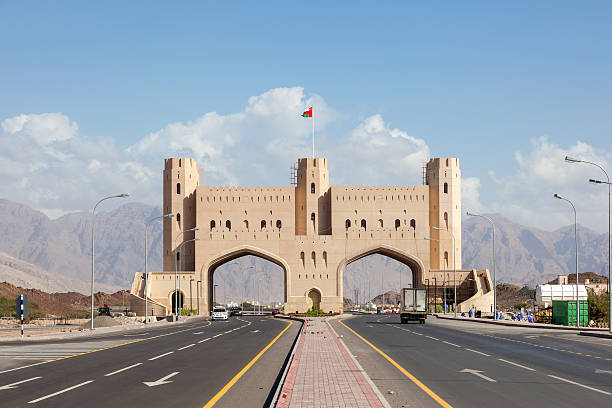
219	313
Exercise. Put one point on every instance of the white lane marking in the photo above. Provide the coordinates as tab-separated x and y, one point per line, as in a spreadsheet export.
198	333
578	384
516	364
433	338
13	385
123	369
60	392
220	334
161	381
598	371
452	344
478	373
418	334
22	367
229	331
161	355
183	348
478	352
135	335
202	341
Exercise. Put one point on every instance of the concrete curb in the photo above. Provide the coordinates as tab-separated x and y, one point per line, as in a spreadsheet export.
606	335
289	359
523	325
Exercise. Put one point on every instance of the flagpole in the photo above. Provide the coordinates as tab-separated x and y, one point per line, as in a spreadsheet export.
313	155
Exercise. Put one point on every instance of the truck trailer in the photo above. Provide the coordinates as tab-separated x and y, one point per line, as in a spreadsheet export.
413	303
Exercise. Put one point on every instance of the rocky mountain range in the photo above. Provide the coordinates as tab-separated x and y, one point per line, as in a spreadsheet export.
55	254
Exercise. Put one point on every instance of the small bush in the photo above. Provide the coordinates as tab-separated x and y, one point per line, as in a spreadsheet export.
598	307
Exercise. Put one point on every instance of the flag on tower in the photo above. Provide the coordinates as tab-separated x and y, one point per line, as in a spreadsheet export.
307	113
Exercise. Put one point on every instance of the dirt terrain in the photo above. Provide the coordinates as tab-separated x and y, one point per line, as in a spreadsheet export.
61	304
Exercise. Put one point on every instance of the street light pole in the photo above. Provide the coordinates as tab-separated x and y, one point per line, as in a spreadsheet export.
146	273
576	237
443	277
493	261
176	290
573	160
454	266
93	251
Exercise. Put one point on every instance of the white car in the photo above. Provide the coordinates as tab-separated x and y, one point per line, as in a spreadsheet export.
220	313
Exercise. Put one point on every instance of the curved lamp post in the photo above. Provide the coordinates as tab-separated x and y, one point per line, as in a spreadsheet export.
146	274
574	160
454	265
492	260
443	276
576	237
93	225
176	251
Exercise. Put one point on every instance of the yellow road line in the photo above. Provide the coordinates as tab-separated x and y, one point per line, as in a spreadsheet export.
93	351
403	370
233	381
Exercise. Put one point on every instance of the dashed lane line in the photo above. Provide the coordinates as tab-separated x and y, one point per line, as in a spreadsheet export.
516	364
122	369
579	385
206	339
452	344
478	352
161	355
59	392
186	347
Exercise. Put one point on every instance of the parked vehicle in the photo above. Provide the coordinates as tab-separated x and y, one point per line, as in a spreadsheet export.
413	305
219	313
235	311
275	311
104	311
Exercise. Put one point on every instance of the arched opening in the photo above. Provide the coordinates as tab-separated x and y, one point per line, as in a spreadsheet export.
174	297
445	188
228	225
380	223
314	299
279	224
245	224
246	278
446	219
413	223
347	224
363	224
263	224
178	188
312	188
213	224
373	279
398	223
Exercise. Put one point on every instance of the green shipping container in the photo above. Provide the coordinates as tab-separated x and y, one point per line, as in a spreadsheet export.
564	312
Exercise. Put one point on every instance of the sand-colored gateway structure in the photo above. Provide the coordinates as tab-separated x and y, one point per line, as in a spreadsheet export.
313	231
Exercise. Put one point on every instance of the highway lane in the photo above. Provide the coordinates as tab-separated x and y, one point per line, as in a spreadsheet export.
186	365
468	364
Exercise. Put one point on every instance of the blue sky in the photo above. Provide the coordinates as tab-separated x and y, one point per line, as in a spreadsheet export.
485	82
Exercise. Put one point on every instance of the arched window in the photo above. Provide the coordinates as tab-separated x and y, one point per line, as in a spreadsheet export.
246	224
213	224
397	224
413	223
363	224
263	224
380	223
446	259
312	217
178	188
312	188
178	217
347	224
279	224
228	224
445	188
446	219
178	257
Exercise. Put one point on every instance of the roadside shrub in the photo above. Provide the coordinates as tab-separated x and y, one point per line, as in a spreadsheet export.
598	307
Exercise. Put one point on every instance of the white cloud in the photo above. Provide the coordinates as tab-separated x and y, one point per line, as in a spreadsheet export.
49	165
470	194
526	194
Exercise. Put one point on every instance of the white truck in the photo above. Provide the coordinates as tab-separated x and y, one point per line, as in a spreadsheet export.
413	303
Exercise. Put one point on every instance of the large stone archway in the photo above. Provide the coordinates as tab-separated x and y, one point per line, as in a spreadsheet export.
311	229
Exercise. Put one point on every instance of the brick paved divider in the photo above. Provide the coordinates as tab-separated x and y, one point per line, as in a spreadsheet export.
323	374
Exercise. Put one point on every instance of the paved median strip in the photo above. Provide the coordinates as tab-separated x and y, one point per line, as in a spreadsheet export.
161	355
123	369
59	392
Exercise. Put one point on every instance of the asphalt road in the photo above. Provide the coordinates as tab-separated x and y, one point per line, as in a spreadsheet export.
477	365
183	365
